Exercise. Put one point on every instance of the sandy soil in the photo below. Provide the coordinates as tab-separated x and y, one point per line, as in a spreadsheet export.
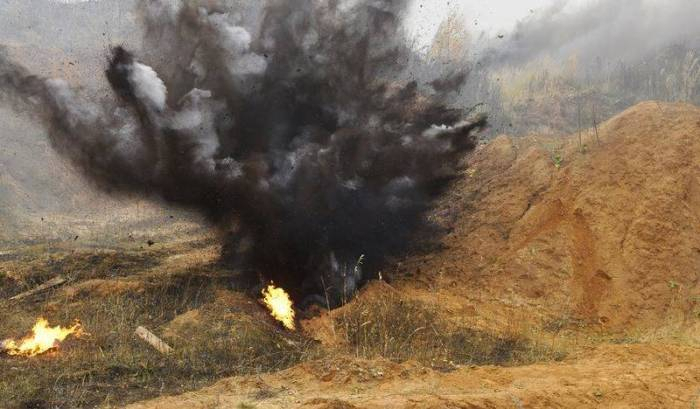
608	240
610	376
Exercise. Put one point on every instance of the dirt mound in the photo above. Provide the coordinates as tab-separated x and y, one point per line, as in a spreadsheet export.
600	234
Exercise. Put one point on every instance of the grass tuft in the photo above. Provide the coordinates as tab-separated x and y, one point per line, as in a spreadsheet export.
398	329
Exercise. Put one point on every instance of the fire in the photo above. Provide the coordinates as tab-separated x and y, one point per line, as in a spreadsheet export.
44	338
280	305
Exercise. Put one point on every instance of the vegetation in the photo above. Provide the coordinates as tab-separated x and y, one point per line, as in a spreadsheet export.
213	336
398	329
557	160
546	95
109	365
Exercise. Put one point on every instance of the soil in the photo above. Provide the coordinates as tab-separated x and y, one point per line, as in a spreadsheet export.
610	239
595	240
610	376
589	244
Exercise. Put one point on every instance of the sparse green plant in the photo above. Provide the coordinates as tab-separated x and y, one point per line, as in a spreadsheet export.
557	160
358	264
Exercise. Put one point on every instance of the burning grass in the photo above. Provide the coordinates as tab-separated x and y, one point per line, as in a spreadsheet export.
280	305
399	329
44	338
110	366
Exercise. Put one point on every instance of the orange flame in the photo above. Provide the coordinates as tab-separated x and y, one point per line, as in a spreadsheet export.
280	305
43	339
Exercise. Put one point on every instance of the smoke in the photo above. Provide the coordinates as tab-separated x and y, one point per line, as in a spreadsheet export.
612	30
284	122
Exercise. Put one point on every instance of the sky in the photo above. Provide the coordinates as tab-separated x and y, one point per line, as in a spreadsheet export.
604	28
491	16
488	15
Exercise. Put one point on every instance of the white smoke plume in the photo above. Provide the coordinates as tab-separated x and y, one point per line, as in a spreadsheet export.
611	30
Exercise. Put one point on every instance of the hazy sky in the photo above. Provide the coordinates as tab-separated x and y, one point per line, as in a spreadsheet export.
492	16
488	14
607	27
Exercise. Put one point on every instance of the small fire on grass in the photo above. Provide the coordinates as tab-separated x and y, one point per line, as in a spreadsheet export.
43	339
280	305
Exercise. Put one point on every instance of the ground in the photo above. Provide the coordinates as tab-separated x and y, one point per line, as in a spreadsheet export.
620	376
566	273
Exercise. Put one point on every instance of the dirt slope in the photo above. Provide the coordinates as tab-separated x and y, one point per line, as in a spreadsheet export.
610	239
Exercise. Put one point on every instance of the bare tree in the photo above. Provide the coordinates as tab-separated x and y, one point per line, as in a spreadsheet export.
595	122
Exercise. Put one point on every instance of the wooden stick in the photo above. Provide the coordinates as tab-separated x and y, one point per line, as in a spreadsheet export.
56	281
153	340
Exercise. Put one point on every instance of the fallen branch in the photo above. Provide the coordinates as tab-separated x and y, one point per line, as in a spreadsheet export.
153	340
54	282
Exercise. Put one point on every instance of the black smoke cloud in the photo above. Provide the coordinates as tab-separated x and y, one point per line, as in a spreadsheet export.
288	123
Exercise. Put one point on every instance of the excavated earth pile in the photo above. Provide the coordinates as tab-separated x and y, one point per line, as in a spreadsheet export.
603	235
590	244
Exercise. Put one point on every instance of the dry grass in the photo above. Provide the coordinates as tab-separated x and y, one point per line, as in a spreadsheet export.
230	334
401	330
36	265
110	366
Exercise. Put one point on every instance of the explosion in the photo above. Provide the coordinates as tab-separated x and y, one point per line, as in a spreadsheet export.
44	338
280	305
296	126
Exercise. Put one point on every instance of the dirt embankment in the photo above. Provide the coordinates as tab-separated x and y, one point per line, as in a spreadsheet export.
600	239
606	235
